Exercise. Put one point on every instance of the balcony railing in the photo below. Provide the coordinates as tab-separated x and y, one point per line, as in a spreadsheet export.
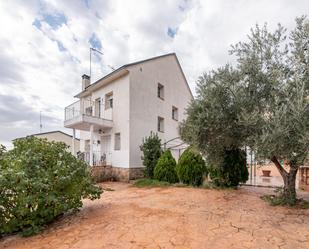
88	108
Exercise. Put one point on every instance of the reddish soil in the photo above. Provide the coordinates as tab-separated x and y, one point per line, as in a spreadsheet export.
173	217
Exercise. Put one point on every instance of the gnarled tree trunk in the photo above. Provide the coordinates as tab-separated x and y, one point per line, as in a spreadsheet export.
289	179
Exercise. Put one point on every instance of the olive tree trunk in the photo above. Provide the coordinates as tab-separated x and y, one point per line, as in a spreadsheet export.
289	179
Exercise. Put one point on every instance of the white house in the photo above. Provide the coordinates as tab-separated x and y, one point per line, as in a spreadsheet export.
116	112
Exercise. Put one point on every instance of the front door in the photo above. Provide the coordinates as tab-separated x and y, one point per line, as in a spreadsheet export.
106	148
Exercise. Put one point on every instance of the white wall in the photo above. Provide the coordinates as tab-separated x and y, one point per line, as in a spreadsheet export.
120	113
145	106
137	107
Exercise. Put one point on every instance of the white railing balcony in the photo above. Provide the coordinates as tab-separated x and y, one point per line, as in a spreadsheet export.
84	113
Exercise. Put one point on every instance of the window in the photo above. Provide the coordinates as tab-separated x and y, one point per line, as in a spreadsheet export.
175	113
109	100
160	124
98	107
160	91
117	141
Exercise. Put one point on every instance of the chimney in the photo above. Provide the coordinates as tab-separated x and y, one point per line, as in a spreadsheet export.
85	81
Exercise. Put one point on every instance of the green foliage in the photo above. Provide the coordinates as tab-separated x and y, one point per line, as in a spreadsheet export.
141	183
151	148
39	181
191	168
275	71
262	103
213	123
165	169
232	171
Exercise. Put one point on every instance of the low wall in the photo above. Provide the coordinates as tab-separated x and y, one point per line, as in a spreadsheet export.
109	173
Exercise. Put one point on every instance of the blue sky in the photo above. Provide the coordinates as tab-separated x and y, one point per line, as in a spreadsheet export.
47	46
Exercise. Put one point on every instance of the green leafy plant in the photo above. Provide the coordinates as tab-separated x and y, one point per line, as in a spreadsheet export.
165	169
232	171
191	168
262	102
151	148
40	181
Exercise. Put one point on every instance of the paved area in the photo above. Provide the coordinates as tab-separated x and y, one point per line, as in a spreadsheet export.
130	217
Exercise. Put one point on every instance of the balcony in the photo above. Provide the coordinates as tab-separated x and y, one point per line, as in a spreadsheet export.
83	114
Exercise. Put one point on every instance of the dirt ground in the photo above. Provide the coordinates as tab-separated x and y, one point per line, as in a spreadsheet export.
173	217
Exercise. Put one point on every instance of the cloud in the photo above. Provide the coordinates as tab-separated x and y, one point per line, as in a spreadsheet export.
45	45
95	42
19	118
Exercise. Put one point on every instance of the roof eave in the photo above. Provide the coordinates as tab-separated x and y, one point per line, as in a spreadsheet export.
103	81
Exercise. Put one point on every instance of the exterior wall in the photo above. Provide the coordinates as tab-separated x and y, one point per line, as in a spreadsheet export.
120	116
60	137
109	173
145	106
136	108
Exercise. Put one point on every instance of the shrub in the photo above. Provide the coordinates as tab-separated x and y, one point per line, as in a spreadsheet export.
232	171
165	169
151	148
191	168
39	181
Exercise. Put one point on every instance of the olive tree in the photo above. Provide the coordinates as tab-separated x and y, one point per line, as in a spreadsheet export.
213	123
274	69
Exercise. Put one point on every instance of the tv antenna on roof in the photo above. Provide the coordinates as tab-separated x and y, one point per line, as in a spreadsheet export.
90	52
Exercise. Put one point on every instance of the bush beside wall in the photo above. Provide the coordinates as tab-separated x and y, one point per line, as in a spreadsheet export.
165	169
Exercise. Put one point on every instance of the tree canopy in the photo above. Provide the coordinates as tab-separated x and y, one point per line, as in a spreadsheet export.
263	102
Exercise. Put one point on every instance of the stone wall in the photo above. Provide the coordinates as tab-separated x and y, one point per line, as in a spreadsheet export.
102	173
109	173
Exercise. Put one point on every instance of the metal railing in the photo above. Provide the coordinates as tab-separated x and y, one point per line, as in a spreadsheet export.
99	158
89	108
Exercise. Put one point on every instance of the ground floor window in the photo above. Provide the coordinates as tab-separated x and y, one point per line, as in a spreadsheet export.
117	141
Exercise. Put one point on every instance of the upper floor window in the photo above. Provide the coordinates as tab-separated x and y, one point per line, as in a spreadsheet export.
175	113
160	124
117	141
160	91
109	100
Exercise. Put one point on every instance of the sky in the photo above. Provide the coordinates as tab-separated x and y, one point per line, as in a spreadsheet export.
45	46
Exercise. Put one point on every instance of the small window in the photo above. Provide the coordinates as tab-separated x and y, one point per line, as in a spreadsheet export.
97	107
175	113
117	141
160	91
160	124
109	100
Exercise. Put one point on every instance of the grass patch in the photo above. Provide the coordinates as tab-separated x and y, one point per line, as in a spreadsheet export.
150	183
275	200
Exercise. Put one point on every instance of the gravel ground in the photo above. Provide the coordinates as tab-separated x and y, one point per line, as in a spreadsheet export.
174	217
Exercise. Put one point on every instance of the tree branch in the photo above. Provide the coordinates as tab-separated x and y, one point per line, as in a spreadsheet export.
281	170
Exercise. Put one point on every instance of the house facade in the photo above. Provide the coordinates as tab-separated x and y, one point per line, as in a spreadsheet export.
115	113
